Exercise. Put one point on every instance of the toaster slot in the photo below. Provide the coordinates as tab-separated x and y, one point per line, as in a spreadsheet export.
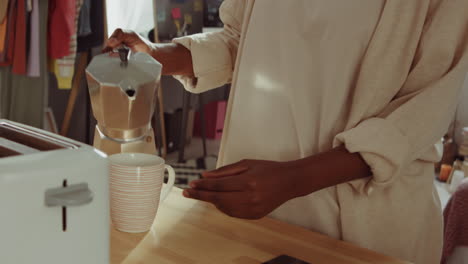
31	139
15	147
6	152
64	211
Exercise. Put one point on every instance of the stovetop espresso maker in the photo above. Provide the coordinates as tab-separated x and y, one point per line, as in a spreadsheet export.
123	88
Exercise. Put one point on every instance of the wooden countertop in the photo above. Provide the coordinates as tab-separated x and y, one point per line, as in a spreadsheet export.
191	232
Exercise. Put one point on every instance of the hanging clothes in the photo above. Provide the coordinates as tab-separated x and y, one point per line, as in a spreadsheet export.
84	21
62	16
19	49
22	99
3	28
34	67
64	68
7	56
3	9
29	5
96	38
3	25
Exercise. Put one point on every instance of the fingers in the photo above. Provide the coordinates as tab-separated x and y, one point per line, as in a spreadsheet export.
114	41
225	202
234	204
118	38
225	184
206	196
217	198
230	170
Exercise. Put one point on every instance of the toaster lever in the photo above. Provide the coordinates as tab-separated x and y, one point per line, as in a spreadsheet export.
73	195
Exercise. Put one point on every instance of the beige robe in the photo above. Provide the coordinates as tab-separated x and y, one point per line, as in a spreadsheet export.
380	77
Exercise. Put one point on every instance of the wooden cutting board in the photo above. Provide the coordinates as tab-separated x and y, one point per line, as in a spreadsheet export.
191	232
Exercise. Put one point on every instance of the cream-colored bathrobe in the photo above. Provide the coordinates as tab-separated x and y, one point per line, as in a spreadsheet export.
381	77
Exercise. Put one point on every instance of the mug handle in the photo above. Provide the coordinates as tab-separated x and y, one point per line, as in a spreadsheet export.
170	183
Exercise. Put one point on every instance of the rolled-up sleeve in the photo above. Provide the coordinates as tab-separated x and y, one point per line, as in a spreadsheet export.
420	113
214	54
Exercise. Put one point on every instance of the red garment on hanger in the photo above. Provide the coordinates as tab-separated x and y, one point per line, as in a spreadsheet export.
62	14
20	47
3	31
3	9
10	35
3	24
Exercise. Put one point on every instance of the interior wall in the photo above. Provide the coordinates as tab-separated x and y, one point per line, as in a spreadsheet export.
462	112
136	15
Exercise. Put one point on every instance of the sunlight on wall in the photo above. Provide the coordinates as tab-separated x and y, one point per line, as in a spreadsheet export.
136	15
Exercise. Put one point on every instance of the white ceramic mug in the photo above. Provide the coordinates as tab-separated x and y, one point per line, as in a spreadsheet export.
136	189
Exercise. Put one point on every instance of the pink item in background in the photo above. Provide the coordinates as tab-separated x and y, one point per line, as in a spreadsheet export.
215	114
176	13
456	221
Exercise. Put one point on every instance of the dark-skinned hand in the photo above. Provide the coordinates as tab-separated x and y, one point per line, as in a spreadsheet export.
175	58
131	39
250	189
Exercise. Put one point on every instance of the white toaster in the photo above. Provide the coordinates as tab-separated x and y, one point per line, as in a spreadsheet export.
54	201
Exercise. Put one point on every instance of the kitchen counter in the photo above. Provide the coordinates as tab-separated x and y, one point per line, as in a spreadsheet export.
188	232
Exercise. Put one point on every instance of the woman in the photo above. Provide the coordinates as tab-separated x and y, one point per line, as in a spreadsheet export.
333	115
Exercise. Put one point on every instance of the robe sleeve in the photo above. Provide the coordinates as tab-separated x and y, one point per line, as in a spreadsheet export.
420	113
214	54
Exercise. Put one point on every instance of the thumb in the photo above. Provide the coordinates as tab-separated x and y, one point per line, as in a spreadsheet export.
230	170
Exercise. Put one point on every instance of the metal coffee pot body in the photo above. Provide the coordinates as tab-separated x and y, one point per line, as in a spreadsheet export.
123	89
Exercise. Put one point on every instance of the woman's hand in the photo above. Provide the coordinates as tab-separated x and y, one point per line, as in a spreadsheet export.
175	58
130	39
249	189
252	188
